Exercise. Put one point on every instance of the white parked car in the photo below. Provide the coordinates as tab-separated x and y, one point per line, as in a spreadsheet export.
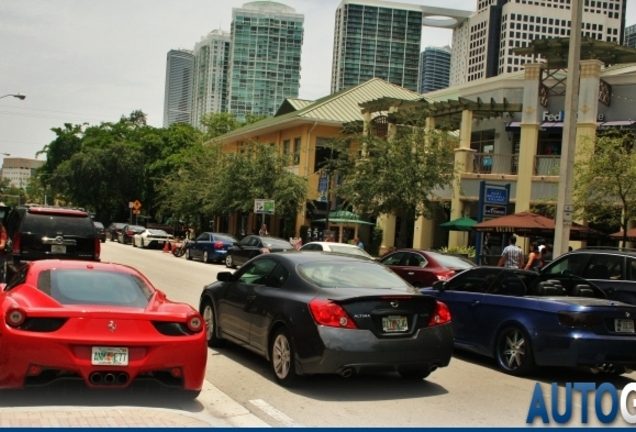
341	248
151	238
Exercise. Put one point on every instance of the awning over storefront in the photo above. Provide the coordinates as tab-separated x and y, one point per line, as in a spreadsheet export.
513	125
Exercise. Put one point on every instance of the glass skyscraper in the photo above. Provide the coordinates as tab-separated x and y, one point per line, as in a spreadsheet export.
264	68
212	60
435	69
630	36
178	92
375	40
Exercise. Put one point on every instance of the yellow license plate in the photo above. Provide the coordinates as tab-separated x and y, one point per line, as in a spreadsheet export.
109	356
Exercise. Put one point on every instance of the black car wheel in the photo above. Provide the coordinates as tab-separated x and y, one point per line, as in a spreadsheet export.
206	257
282	358
415	375
210	325
187	254
514	352
229	262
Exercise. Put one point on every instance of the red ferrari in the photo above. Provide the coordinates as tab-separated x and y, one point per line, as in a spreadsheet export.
100	322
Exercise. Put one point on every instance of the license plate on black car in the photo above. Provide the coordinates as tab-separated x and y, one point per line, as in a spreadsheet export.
624	326
58	249
395	324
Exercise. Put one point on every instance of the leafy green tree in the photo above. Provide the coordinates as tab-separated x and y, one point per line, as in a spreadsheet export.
218	124
605	180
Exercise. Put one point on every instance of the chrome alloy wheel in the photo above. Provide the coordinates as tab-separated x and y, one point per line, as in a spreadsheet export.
208	317
281	356
514	350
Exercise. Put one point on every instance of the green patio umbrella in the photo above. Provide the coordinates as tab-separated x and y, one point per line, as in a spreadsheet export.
461	224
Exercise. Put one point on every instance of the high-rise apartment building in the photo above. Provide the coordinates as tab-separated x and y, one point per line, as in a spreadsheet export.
266	42
210	83
382	39
178	92
630	36
434	69
483	46
20	170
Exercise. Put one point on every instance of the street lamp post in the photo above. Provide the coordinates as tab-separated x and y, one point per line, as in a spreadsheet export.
17	95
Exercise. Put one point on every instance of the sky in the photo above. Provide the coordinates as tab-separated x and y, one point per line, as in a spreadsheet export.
87	61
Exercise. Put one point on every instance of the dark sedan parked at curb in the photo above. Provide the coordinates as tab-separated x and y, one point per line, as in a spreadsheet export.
127	233
101	231
210	247
253	245
524	319
316	313
114	229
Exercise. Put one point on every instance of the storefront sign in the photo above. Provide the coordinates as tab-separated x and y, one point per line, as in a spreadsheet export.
493	210
496	195
560	116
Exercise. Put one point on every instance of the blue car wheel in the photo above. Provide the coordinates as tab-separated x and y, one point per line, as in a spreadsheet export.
514	351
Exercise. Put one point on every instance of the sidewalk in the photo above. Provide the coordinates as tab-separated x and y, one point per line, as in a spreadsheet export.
212	408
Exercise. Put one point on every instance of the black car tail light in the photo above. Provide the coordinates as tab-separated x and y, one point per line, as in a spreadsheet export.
441	315
330	314
17	239
98	248
579	319
172	328
15	317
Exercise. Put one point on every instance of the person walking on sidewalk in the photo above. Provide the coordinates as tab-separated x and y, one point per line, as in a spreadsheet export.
512	255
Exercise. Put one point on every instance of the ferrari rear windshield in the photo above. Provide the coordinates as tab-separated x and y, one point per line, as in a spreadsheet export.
94	287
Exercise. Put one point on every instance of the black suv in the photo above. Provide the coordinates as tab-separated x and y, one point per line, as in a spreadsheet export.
50	233
611	269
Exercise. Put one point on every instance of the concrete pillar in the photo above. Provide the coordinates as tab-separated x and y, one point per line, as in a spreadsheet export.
530	123
424	228
463	163
387	223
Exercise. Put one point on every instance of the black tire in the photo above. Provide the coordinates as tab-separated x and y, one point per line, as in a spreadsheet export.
229	261
281	354
206	257
103	241
513	351
188	254
187	394
415	375
209	317
179	252
133	243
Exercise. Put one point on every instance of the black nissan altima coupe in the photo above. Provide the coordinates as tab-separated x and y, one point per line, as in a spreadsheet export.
314	313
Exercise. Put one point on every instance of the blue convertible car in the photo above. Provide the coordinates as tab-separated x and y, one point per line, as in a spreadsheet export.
524	319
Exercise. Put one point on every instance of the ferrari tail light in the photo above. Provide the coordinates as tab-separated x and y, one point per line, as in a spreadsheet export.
265	250
98	247
17	237
15	317
176	372
330	314
195	323
34	370
440	316
218	245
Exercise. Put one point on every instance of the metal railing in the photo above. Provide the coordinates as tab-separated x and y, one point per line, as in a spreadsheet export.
547	165
494	163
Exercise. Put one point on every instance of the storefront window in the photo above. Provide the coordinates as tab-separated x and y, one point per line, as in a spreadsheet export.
550	142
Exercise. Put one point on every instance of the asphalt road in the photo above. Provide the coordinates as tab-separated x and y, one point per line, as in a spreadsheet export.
469	392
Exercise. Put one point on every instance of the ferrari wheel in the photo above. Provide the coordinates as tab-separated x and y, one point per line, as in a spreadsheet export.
188	255
187	394
229	262
514	352
282	358
206	257
210	325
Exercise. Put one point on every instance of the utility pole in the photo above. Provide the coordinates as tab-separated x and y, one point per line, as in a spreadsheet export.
568	145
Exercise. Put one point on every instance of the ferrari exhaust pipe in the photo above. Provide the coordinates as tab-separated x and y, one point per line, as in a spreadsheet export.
95	378
109	378
347	372
122	378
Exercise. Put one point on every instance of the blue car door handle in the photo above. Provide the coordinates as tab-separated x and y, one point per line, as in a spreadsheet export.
474	303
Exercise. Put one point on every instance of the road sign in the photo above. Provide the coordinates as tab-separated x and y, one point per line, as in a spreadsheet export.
567	214
136	211
136	205
264	206
131	204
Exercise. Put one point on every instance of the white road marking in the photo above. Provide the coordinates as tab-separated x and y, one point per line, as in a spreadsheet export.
274	413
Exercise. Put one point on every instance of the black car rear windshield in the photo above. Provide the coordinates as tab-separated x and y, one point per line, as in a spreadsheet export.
98	225
278	244
53	225
351	275
94	287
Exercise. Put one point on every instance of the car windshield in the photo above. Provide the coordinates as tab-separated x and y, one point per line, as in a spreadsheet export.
94	287
224	238
98	225
273	243
157	232
451	261
349	250
361	274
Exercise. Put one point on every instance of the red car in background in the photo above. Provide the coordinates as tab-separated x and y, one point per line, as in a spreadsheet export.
102	323
421	268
